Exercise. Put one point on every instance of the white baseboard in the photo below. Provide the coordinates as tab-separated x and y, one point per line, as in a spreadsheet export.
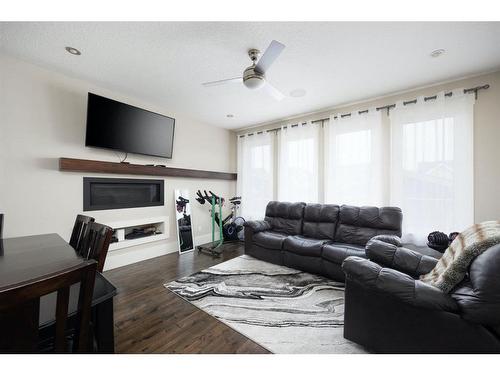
123	257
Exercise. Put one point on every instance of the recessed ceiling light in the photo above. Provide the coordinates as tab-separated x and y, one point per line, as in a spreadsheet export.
229	115
73	51
297	93
437	52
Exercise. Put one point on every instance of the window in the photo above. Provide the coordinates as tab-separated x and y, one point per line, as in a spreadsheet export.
255	173
298	163
353	158
432	175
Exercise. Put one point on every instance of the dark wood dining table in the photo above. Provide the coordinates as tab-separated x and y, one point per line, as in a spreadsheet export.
24	259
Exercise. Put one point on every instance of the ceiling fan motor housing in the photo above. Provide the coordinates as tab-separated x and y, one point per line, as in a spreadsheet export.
252	78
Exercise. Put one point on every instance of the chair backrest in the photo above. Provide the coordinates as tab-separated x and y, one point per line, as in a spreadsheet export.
285	217
320	221
79	230
22	303
95	243
358	225
1	226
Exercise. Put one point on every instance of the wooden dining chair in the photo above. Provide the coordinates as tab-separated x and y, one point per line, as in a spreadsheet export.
20	309
95	244
79	230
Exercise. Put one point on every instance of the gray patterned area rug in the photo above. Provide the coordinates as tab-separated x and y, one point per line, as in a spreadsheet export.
281	309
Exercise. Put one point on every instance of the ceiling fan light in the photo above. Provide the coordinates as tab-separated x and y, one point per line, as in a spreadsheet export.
254	82
252	78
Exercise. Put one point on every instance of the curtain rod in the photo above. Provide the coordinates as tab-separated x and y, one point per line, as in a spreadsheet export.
387	107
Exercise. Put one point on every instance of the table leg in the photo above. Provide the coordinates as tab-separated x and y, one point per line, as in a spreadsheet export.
104	327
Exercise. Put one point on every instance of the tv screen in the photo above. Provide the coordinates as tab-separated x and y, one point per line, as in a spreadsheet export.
119	126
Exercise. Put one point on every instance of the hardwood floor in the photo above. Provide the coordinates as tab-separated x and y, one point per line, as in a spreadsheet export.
151	319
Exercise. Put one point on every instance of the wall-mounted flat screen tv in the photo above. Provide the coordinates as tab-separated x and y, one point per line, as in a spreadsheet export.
119	126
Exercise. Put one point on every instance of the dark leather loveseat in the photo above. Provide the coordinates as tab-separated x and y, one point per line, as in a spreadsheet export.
388	310
316	238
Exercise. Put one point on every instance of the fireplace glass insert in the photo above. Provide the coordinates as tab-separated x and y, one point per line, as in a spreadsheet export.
114	193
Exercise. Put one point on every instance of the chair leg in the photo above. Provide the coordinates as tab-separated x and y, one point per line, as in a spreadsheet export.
104	327
61	314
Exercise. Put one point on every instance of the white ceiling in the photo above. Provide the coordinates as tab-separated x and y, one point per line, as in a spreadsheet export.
165	63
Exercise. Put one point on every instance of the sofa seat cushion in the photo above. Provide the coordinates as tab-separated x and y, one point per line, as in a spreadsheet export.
269	239
304	245
336	252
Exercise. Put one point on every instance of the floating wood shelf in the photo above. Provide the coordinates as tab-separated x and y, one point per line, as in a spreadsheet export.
96	166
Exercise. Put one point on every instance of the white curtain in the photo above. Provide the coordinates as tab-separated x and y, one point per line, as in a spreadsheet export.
353	159
298	163
255	181
432	166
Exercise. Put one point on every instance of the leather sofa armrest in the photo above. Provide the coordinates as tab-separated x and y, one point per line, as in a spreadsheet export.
252	227
397	285
258	225
392	255
389	238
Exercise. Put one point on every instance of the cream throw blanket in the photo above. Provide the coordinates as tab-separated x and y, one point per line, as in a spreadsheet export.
452	266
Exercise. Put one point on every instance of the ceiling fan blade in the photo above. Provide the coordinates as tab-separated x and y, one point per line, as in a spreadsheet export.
223	82
274	92
272	52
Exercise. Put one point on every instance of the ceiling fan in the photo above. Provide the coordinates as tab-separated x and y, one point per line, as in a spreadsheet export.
254	77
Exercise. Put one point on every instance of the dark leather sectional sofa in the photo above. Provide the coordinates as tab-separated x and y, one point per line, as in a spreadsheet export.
317	238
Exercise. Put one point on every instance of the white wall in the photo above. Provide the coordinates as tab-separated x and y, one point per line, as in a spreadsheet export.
486	134
42	118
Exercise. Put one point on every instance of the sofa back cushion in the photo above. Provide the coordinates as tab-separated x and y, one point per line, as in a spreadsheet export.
285	217
320	221
357	225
